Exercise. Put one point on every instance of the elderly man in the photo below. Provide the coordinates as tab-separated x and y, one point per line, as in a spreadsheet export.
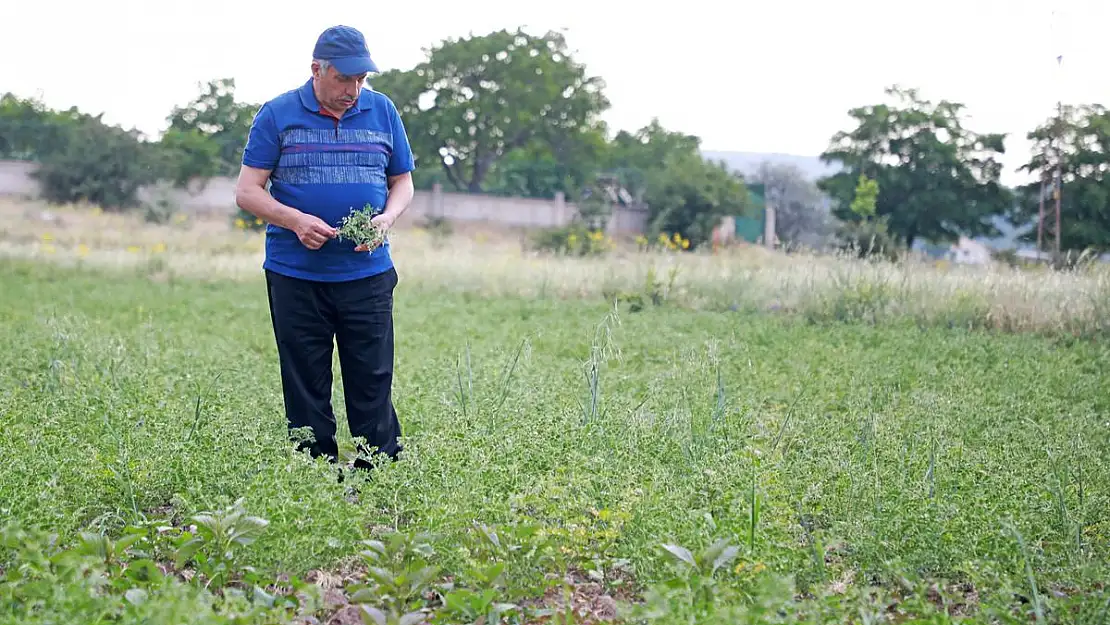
326	148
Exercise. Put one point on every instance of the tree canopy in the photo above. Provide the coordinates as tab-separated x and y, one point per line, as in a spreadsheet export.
1078	141
476	100
514	113
937	179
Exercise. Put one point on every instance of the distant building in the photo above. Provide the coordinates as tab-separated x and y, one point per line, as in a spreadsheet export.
969	252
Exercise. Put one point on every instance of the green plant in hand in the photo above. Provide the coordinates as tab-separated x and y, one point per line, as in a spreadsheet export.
359	228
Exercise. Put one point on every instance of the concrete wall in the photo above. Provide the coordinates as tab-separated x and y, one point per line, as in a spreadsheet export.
217	197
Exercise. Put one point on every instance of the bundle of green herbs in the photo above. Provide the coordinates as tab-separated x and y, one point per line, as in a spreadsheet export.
358	227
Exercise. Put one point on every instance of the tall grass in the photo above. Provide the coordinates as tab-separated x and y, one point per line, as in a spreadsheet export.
748	278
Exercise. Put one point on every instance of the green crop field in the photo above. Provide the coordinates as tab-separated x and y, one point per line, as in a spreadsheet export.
672	463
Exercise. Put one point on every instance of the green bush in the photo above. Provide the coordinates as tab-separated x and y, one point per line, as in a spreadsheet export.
573	240
99	164
870	238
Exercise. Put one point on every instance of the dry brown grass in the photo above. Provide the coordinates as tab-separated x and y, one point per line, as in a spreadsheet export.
495	264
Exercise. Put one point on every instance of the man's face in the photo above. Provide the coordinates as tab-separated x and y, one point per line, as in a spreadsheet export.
336	91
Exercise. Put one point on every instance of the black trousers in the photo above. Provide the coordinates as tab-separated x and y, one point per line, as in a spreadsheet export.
358	315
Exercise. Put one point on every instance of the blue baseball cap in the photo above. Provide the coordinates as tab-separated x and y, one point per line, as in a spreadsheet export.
345	48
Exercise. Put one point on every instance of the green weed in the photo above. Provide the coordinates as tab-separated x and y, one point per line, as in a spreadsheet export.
850	472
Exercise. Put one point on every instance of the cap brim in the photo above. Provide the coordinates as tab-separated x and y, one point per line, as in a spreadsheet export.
355	65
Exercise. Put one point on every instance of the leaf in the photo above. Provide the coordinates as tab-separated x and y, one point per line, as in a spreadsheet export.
725	557
135	596
362	595
126	541
412	618
187	550
681	553
263	597
373	616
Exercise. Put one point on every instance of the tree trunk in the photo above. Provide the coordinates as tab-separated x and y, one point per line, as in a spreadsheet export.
911	236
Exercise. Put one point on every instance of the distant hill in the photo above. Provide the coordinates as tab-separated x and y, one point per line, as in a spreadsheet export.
747	163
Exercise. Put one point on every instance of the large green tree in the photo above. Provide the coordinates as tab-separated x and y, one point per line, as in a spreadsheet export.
937	179
546	166
476	100
635	156
31	131
216	115
1078	140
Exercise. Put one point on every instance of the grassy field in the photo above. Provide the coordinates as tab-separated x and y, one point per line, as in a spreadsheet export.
699	460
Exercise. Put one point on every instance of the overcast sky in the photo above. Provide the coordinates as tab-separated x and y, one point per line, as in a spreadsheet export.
797	65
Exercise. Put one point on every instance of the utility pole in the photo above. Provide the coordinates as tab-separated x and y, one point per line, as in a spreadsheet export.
1056	153
1059	174
1040	216
1057	142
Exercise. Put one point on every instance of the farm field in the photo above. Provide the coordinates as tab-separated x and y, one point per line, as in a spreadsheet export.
880	454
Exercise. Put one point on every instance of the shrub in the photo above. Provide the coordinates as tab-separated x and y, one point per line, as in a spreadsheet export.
100	164
870	238
573	240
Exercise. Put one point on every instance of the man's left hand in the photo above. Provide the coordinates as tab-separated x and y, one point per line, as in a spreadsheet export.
383	222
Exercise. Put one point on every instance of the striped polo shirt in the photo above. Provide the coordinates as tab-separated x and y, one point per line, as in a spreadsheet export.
327	167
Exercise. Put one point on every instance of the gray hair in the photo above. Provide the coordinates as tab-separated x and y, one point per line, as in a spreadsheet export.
324	65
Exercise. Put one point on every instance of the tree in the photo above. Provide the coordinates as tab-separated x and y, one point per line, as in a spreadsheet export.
216	114
937	179
634	156
475	100
690	195
1078	140
30	131
100	164
799	217
189	155
545	167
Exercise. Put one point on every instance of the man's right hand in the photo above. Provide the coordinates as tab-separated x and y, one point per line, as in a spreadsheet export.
312	231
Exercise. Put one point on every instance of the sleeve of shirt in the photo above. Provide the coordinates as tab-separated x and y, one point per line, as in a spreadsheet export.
401	160
262	150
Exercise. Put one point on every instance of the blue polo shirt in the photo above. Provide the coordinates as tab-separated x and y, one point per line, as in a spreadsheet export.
327	167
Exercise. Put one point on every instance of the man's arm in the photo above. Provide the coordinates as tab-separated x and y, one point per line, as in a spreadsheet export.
401	192
251	196
398	170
